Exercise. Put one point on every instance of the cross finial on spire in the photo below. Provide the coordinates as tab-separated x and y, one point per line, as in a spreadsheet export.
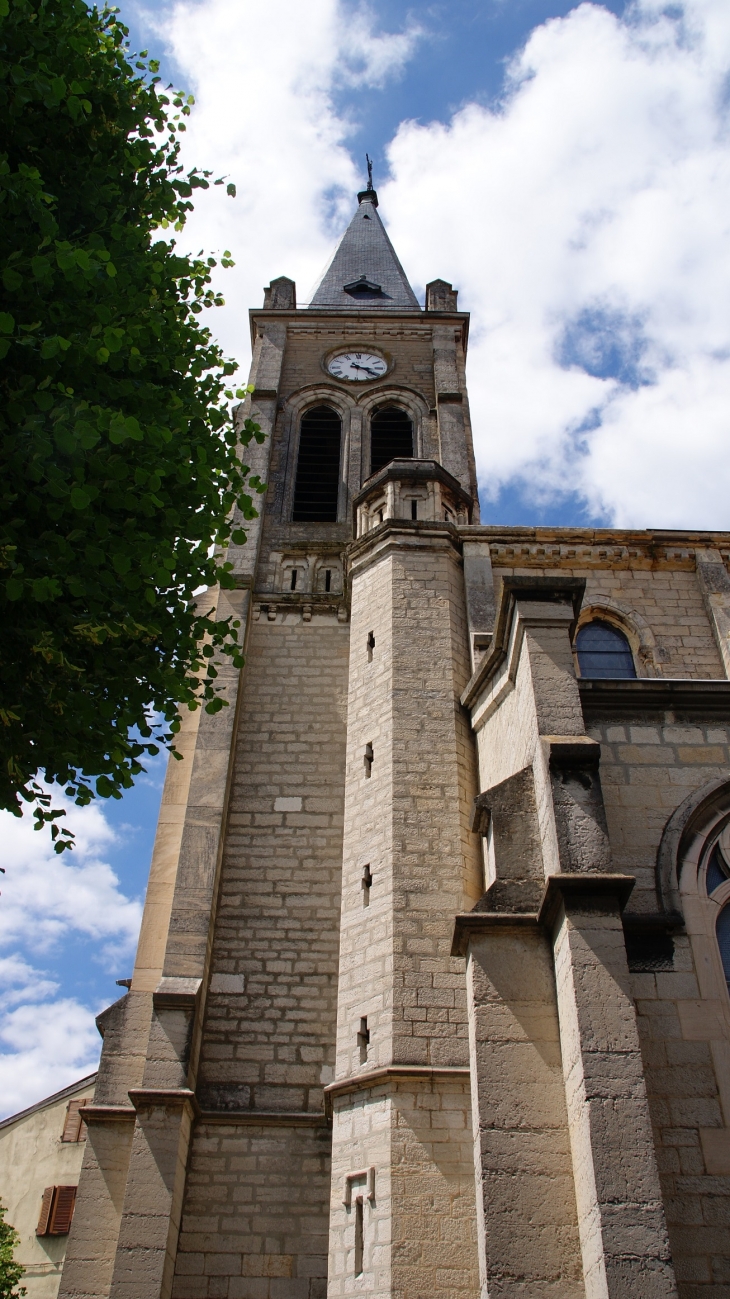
368	194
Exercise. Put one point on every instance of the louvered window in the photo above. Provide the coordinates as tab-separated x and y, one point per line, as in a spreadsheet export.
318	467
391	437
74	1128
57	1210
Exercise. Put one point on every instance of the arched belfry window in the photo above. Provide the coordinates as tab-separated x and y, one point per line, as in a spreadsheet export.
391	437
318	467
603	651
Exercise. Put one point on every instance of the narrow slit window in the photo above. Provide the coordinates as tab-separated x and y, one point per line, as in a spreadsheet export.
391	437
367	884
363	1039
328	579
604	652
414	509
294	579
359	1235
318	467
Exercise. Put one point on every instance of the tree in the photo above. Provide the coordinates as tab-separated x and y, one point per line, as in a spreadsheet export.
10	1271
120	465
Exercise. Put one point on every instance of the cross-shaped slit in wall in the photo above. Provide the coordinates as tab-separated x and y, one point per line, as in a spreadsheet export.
366	885
370	646
368	759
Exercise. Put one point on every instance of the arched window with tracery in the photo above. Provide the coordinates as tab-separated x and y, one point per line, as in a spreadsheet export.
317	484
717	874
603	651
391	437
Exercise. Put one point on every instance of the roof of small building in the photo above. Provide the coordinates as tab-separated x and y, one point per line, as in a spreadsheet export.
65	1092
365	272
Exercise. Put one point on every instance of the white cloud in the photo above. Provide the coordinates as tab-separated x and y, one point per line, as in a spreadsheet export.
599	191
51	1045
266	78
46	896
21	982
47	1041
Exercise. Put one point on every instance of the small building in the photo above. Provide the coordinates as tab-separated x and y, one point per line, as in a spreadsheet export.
41	1150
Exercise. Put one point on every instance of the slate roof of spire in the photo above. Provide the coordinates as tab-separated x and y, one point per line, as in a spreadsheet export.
365	271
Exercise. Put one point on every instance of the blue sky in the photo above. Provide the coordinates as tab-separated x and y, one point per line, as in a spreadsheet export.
568	169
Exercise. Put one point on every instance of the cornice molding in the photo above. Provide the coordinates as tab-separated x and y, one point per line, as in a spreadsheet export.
394	536
657	695
390	1073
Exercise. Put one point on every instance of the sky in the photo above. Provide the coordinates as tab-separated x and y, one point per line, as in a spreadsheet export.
567	168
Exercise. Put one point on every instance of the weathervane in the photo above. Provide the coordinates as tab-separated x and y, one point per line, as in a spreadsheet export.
369	162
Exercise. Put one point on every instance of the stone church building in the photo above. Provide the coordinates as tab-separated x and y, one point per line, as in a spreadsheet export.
431	994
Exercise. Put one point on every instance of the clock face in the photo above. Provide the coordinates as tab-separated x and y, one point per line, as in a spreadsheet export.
358	366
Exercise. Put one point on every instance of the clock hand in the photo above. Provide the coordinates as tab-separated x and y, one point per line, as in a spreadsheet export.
366	368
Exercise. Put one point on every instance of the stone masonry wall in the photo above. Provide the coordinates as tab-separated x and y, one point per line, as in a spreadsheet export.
648	766
255	1216
406	817
664	592
408	343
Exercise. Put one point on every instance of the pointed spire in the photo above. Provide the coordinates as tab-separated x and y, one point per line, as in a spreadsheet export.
365	272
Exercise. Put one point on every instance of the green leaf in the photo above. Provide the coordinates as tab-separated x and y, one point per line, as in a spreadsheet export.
45	589
119	465
231	190
7	322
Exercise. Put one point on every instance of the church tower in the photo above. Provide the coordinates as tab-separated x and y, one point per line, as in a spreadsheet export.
294	992
431	994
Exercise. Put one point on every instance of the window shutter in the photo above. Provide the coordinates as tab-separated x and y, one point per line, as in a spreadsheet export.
74	1128
62	1211
46	1202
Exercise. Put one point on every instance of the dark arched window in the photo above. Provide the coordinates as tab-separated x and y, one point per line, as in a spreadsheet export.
603	651
391	437
318	467
722	929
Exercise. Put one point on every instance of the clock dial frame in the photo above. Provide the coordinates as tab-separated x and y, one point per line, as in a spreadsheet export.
357	366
